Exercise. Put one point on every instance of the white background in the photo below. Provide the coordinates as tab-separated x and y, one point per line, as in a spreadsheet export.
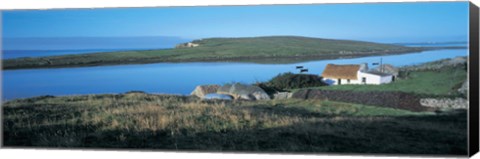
84	154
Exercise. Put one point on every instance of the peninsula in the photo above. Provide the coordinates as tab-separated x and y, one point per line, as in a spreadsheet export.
271	49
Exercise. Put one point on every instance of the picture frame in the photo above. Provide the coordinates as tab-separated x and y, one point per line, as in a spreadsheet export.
308	95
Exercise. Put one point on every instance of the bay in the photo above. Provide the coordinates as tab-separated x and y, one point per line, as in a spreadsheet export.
175	78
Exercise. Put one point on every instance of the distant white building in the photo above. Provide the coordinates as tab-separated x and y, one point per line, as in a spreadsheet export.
186	45
192	45
354	74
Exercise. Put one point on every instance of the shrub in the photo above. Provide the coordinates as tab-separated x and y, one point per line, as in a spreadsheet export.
403	74
292	81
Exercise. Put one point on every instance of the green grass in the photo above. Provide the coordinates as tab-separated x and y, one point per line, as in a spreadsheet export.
137	120
444	82
259	49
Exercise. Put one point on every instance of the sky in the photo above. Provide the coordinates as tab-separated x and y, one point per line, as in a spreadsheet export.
380	22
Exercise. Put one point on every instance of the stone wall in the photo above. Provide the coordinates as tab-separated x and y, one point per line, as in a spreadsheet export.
457	103
282	95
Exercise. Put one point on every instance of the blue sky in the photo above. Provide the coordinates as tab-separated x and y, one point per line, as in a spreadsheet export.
402	22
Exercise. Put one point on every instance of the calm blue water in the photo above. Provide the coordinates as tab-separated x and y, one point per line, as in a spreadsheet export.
82	43
173	78
10	54
36	47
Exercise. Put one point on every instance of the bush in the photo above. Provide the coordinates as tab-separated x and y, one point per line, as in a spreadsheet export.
292	81
403	74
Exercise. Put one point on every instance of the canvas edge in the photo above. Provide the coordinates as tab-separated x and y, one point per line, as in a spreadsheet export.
473	116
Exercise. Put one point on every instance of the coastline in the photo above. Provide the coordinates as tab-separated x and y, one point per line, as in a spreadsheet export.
165	59
422	71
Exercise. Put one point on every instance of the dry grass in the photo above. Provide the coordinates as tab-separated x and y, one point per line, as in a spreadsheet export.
137	120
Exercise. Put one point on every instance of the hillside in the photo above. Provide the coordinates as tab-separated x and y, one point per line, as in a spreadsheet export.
166	122
256	49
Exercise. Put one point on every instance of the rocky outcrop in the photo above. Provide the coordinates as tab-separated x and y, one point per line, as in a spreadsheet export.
464	88
457	103
202	90
242	91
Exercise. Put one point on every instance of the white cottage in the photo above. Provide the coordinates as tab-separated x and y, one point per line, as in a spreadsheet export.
354	74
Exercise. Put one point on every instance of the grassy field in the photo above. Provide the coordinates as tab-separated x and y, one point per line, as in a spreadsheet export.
137	120
260	49
443	82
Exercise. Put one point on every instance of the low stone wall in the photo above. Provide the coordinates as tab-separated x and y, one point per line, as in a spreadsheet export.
398	100
282	95
457	103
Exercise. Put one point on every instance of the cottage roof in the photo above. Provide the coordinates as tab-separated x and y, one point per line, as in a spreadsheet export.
341	71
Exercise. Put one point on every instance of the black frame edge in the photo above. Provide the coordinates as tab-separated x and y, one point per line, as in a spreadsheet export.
473	110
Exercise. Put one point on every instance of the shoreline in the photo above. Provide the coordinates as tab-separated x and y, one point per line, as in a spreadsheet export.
437	64
255	60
